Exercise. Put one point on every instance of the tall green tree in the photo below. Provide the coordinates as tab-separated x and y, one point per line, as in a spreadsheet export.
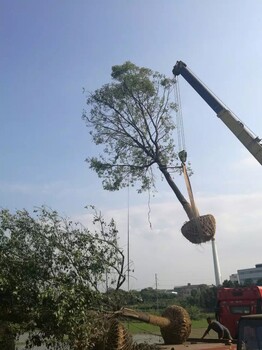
132	119
52	272
208	298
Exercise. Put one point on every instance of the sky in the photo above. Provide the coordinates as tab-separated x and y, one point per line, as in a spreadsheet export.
52	49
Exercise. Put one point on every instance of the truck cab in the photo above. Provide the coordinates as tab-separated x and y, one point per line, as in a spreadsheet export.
232	303
250	332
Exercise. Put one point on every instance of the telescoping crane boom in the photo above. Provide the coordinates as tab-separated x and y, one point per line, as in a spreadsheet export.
246	137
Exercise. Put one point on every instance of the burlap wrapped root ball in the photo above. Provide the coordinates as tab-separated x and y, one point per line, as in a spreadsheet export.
118	337
180	327
200	229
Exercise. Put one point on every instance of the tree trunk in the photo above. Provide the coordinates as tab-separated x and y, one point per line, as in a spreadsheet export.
179	195
7	339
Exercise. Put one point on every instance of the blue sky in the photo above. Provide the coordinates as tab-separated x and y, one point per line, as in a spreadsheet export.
52	49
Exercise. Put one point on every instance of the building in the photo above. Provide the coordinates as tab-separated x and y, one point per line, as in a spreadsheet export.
251	275
234	277
186	291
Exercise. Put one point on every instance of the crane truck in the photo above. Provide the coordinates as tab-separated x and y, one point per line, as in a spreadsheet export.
244	135
232	303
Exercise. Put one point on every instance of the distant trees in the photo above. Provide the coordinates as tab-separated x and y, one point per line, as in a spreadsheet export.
200	301
208	298
51	274
259	282
149	294
230	284
203	299
248	282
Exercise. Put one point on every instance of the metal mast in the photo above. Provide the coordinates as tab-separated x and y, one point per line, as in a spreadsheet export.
216	263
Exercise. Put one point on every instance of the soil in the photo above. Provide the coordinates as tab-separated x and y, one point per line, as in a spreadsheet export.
210	343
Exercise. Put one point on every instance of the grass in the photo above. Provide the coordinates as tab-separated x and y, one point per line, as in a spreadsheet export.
198	328
140	327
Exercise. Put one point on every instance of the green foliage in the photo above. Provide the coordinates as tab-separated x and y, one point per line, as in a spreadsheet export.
248	282
208	298
259	282
51	270
120	298
132	119
149	294
194	298
200	301
230	284
136	327
194	312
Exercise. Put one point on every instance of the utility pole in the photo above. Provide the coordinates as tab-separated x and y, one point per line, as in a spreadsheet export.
156	293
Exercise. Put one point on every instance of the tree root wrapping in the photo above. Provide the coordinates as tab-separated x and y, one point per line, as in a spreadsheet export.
200	229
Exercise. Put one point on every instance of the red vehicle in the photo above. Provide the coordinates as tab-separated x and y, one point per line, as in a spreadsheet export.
232	303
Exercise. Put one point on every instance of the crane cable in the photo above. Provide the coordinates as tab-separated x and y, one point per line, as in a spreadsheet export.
182	154
179	119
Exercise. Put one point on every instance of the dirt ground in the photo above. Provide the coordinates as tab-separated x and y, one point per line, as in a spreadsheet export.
158	340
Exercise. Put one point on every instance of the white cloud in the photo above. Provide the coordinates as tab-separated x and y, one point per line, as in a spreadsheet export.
164	251
246	163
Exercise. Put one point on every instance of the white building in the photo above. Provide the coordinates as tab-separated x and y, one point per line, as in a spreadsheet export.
233	277
250	275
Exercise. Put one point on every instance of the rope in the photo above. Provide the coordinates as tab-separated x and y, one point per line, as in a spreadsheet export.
192	201
190	192
182	146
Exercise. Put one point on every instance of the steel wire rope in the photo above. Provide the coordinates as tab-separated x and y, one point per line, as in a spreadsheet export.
179	117
182	144
183	154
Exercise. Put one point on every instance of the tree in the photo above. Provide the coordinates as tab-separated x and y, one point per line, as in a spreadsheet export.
259	282
52	272
208	298
248	282
230	284
132	118
148	294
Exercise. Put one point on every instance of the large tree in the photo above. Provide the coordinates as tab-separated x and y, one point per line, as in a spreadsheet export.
133	119
52	272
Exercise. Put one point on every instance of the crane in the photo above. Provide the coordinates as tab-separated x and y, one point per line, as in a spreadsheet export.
238	128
